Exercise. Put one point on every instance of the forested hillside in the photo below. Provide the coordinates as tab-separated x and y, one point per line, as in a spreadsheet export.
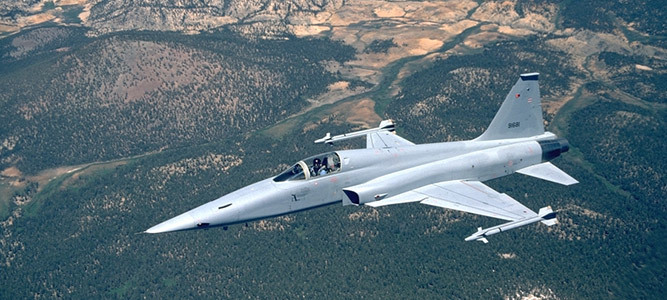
133	93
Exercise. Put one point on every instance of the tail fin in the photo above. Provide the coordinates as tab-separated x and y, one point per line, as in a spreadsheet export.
520	115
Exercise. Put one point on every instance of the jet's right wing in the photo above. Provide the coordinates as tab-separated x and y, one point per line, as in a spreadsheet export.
477	198
468	196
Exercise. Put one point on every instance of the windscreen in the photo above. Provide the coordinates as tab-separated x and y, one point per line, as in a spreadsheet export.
312	167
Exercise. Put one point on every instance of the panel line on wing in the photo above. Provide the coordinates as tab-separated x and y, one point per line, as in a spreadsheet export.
385	139
446	203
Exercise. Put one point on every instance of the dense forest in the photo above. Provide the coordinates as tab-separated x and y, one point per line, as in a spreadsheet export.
607	242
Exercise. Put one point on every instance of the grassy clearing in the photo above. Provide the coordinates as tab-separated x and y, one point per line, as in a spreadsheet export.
6	192
563	118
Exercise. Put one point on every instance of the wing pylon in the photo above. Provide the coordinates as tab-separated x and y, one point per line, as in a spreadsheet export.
546	215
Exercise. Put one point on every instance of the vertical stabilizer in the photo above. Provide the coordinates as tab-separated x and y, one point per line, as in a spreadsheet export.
520	115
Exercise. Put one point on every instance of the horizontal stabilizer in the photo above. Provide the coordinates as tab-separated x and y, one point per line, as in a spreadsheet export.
549	172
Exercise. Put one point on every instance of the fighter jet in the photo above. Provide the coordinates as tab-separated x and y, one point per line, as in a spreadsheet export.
392	170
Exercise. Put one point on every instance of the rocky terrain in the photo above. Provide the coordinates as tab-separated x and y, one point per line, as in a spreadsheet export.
401	29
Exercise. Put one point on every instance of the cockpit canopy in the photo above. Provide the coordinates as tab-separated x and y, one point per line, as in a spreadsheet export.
314	166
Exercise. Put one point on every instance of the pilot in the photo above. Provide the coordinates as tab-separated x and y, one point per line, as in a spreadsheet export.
315	169
324	170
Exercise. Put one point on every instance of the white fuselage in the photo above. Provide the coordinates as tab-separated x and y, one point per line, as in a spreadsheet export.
392	170
370	173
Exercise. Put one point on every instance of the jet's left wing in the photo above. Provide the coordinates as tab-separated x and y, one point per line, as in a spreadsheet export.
385	139
473	197
381	137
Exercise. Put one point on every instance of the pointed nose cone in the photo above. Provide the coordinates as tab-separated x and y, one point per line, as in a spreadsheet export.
180	222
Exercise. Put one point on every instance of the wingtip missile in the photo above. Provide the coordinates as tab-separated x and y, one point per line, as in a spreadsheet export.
385	125
546	215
